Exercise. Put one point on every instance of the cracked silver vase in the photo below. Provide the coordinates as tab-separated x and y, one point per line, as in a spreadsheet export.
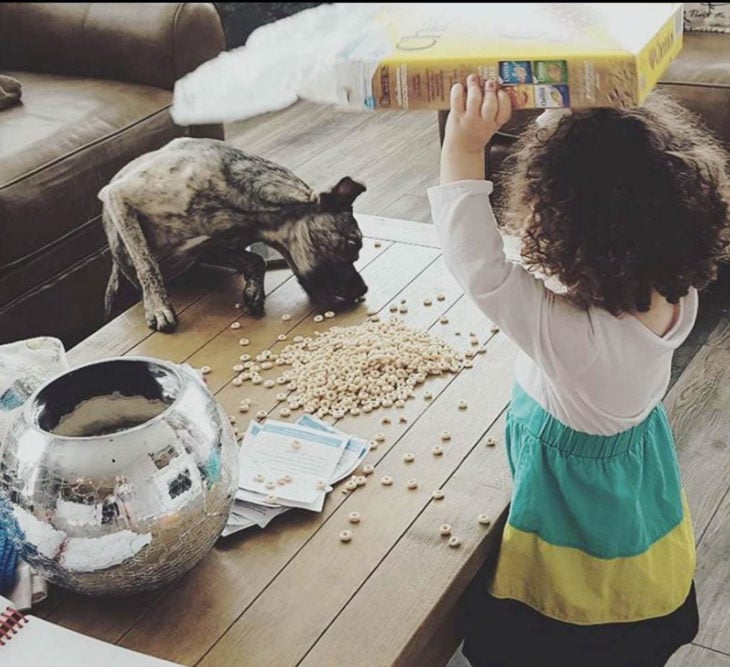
118	476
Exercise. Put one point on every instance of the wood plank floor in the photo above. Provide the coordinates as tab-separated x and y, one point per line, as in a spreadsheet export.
396	155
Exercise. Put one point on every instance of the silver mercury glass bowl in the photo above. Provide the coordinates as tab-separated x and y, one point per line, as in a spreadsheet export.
118	476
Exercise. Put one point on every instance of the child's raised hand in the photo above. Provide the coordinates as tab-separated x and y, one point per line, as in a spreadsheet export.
475	115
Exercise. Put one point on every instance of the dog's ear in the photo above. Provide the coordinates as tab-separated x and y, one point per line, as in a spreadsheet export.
339	199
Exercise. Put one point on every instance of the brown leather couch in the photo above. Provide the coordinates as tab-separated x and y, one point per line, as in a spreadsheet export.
699	78
97	82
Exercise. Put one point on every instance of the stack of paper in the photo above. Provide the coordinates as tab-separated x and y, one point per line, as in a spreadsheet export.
284	466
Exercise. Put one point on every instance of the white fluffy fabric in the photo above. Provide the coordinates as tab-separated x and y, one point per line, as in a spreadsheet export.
281	62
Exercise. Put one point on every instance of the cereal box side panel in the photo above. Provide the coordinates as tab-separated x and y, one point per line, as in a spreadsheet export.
655	57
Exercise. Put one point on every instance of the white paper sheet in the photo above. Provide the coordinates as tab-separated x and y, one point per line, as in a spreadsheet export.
270	453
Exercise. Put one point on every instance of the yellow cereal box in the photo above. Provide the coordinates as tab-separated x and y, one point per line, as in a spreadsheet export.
545	54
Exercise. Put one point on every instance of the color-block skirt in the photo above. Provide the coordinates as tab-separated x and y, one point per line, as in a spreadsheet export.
597	558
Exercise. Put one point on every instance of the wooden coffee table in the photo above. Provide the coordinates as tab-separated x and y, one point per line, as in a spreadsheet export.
293	594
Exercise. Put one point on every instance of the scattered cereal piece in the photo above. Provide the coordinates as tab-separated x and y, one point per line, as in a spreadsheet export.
285	412
372	445
286	317
437	450
377	244
258	478
236	325
403	308
354	411
288	479
205	370
318	318
412	484
409	457
368	469
402	420
468	363
238	306
490	441
445	529
441	297
243	341
427	396
295	444
386	480
427	302
244	407
270	485
484	520
494	328
232	419
271	499
281	336
393	307
438	494
238	368
400	403
351	485
444	320
354	517
463	405
321	485
454	542
329	314
361	480
379	437
261	414
237	381
445	435
269	383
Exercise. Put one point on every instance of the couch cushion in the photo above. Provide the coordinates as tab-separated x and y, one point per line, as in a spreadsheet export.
61	146
700	79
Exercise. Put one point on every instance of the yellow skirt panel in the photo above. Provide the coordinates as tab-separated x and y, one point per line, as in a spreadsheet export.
568	585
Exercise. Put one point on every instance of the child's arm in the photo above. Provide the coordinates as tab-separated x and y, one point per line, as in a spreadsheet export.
473	120
548	328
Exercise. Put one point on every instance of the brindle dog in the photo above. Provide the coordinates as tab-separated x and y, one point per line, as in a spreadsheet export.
201	200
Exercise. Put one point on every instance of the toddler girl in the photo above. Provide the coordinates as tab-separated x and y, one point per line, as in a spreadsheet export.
626	209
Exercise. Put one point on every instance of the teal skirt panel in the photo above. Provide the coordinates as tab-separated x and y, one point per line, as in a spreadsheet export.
609	496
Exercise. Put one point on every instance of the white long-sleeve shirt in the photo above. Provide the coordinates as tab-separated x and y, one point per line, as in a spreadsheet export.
594	372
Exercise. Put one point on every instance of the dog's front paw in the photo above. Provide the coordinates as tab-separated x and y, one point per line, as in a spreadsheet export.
161	318
253	298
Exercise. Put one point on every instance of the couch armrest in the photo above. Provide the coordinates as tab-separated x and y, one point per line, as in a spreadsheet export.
147	43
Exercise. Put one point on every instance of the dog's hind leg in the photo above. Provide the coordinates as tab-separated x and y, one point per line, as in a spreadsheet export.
112	291
158	309
251	266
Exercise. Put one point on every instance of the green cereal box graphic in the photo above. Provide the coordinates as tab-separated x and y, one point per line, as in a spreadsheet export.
550	71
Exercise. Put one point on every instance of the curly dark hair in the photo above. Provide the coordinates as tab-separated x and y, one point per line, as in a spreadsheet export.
617	202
